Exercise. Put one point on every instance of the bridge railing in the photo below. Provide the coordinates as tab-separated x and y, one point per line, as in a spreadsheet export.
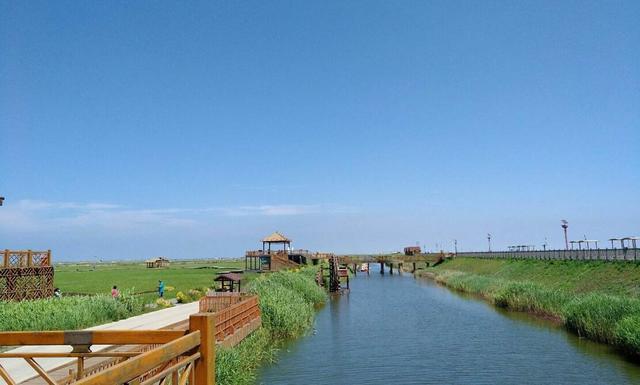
183	356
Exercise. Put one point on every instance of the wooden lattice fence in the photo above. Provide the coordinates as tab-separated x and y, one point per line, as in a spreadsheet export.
26	274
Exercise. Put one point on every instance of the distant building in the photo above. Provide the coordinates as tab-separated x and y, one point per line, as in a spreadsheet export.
157	262
412	250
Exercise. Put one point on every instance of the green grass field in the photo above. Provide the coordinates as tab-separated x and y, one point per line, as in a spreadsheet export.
135	276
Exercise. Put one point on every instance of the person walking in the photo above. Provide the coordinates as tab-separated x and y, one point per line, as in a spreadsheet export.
161	289
114	292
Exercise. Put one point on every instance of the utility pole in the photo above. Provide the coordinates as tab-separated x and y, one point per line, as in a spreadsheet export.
489	240
455	245
564	226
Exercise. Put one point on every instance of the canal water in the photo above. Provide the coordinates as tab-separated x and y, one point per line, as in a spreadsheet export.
395	329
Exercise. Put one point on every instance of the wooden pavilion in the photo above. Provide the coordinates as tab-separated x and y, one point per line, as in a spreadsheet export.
274	258
157	262
276	238
229	282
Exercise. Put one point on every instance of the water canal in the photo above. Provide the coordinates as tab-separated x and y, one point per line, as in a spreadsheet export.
395	329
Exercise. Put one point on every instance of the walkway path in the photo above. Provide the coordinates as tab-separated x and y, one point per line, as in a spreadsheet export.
21	371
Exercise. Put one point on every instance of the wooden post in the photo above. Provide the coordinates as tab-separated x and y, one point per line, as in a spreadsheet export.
49	258
6	258
205	367
391	268
413	268
29	258
80	372
381	267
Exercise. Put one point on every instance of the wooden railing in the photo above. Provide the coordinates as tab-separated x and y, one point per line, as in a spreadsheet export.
236	315
184	357
25	274
215	301
26	258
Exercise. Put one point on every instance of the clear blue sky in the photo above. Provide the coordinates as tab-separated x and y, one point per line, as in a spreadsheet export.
192	129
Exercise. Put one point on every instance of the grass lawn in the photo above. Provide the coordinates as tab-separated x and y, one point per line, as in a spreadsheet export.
182	275
617	278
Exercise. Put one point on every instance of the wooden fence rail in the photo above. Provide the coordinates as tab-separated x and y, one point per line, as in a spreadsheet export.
26	258
184	357
236	315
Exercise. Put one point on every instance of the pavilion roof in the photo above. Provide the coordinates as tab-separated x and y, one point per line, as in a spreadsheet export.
276	238
156	259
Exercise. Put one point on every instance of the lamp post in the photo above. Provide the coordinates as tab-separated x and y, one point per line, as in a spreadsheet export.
564	226
544	245
455	245
489	240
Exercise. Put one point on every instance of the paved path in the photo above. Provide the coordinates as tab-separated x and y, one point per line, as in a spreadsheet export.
21	371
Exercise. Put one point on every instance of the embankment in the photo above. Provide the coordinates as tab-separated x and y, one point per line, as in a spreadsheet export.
597	300
287	301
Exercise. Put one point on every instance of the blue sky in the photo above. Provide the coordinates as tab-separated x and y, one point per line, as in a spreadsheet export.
192	129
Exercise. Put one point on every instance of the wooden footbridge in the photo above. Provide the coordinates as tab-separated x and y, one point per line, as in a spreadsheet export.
396	260
184	353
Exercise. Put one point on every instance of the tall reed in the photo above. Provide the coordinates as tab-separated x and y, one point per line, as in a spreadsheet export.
287	301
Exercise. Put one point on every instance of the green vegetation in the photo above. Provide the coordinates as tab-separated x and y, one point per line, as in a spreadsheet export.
67	313
135	276
287	302
597	300
617	278
188	278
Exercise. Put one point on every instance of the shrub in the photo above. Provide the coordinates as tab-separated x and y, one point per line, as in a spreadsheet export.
182	297
195	294
161	302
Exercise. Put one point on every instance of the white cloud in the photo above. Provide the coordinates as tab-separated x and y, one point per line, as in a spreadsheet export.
38	215
272	210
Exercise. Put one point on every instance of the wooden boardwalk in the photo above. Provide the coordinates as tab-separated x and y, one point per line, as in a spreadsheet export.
135	354
21	371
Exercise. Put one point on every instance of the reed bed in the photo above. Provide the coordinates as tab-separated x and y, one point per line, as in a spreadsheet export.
603	317
287	303
67	313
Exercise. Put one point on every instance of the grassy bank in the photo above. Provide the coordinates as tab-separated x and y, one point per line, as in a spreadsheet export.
287	301
596	300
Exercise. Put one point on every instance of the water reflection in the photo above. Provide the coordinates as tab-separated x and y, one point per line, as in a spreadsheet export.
397	329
